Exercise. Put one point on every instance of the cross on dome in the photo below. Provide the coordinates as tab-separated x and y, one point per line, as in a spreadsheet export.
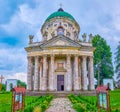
60	5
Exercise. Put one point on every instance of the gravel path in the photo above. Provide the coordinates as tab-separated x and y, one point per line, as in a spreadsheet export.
60	105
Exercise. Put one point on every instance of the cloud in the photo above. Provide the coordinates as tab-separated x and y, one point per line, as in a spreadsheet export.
20	76
12	61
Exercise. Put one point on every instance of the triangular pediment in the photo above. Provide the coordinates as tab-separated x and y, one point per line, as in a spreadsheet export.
60	41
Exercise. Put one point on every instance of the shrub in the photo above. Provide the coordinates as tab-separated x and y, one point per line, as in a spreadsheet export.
38	109
82	105
79	107
39	104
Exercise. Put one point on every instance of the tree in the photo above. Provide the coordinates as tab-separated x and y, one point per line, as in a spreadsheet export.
20	83
102	58
117	61
2	87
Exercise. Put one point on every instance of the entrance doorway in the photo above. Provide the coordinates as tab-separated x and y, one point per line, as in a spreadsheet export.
60	82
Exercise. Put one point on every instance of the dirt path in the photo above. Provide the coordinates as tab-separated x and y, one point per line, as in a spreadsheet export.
60	105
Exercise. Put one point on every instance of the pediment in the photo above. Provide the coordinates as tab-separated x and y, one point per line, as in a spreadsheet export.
60	41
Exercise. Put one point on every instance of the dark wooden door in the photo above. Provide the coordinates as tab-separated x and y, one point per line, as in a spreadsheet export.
60	82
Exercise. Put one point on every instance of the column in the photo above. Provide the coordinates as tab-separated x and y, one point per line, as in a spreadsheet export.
84	73
36	76
29	73
51	78
91	74
79	71
69	74
40	83
76	84
44	81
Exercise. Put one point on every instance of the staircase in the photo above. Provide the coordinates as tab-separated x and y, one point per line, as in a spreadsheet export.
60	93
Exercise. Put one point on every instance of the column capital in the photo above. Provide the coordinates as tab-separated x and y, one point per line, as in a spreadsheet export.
90	58
68	55
52	55
84	57
76	55
44	55
36	57
29	57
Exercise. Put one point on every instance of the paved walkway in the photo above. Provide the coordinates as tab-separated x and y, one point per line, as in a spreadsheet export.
60	105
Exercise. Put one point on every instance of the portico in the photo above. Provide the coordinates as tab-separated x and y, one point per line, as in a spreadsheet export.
60	73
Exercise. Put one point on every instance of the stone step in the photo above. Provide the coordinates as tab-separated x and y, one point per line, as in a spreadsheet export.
60	94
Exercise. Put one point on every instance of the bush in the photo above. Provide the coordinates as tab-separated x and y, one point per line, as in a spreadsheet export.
79	107
39	104
82	105
38	109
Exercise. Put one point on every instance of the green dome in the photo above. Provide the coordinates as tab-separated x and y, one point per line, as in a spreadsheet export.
60	13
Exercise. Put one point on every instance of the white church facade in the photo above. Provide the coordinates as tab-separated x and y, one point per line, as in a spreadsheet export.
61	61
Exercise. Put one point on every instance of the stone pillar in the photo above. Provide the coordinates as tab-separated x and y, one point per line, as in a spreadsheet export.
41	72
69	74
91	74
29	73
79	72
36	75
44	81
84	73
51	76
76	84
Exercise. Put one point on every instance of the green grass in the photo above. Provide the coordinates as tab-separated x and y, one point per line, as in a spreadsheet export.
30	99
115	100
5	100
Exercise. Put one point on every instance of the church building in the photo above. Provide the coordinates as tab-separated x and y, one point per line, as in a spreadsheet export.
61	61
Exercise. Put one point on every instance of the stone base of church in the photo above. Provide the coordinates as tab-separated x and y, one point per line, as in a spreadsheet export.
61	93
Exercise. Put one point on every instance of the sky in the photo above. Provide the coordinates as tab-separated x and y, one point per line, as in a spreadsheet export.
21	18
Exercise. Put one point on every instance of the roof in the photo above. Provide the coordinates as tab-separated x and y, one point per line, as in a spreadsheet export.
102	88
60	13
19	89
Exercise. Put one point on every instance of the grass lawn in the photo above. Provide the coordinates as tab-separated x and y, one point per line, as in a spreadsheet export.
114	99
5	100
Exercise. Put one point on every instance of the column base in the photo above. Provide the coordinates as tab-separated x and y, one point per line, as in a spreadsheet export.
69	89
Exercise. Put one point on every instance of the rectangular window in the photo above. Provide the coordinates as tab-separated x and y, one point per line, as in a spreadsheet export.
60	65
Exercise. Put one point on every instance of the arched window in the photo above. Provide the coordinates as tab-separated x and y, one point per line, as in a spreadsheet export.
60	31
